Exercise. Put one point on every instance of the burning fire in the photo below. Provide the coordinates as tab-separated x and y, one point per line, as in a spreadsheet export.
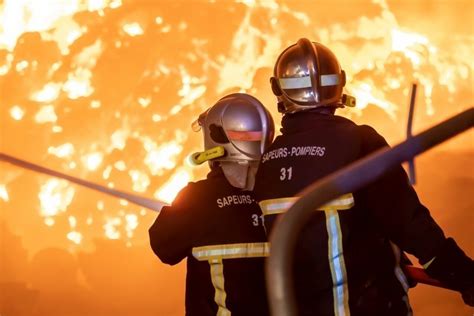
62	151
55	196
17	112
168	192
92	161
122	117
4	193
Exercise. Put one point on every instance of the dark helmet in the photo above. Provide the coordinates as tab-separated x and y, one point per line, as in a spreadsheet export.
307	75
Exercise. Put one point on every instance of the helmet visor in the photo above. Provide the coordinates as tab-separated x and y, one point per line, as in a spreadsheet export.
247	142
244	125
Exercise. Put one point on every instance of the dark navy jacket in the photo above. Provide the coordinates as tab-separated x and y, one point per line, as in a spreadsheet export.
219	229
348	255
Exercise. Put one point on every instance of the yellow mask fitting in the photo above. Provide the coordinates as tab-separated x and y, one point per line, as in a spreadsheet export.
203	156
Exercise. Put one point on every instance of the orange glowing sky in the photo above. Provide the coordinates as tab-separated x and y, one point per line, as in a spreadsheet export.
106	90
73	59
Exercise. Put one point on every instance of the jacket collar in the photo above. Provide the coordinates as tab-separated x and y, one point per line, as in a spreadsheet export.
302	121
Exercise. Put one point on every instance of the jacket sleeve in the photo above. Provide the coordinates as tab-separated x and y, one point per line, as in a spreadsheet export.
171	233
394	204
396	208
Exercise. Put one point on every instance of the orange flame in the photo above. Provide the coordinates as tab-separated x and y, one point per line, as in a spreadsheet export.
381	43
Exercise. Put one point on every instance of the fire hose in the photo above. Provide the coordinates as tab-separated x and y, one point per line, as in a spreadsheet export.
353	177
151	204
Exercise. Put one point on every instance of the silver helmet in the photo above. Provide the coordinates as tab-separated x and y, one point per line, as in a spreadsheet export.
307	75
237	130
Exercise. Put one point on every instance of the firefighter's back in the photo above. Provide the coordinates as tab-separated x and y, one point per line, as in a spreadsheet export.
343	261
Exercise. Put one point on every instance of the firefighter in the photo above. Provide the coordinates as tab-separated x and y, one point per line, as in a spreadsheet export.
216	223
347	259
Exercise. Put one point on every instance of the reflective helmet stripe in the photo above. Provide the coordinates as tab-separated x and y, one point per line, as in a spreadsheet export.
295	83
305	82
330	80
250	136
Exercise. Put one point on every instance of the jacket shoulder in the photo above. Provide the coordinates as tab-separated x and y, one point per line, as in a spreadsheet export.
370	139
186	193
201	190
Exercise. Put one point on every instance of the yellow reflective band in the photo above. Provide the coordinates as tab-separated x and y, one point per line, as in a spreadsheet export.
216	254
281	205
276	206
344	202
217	278
231	251
337	265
